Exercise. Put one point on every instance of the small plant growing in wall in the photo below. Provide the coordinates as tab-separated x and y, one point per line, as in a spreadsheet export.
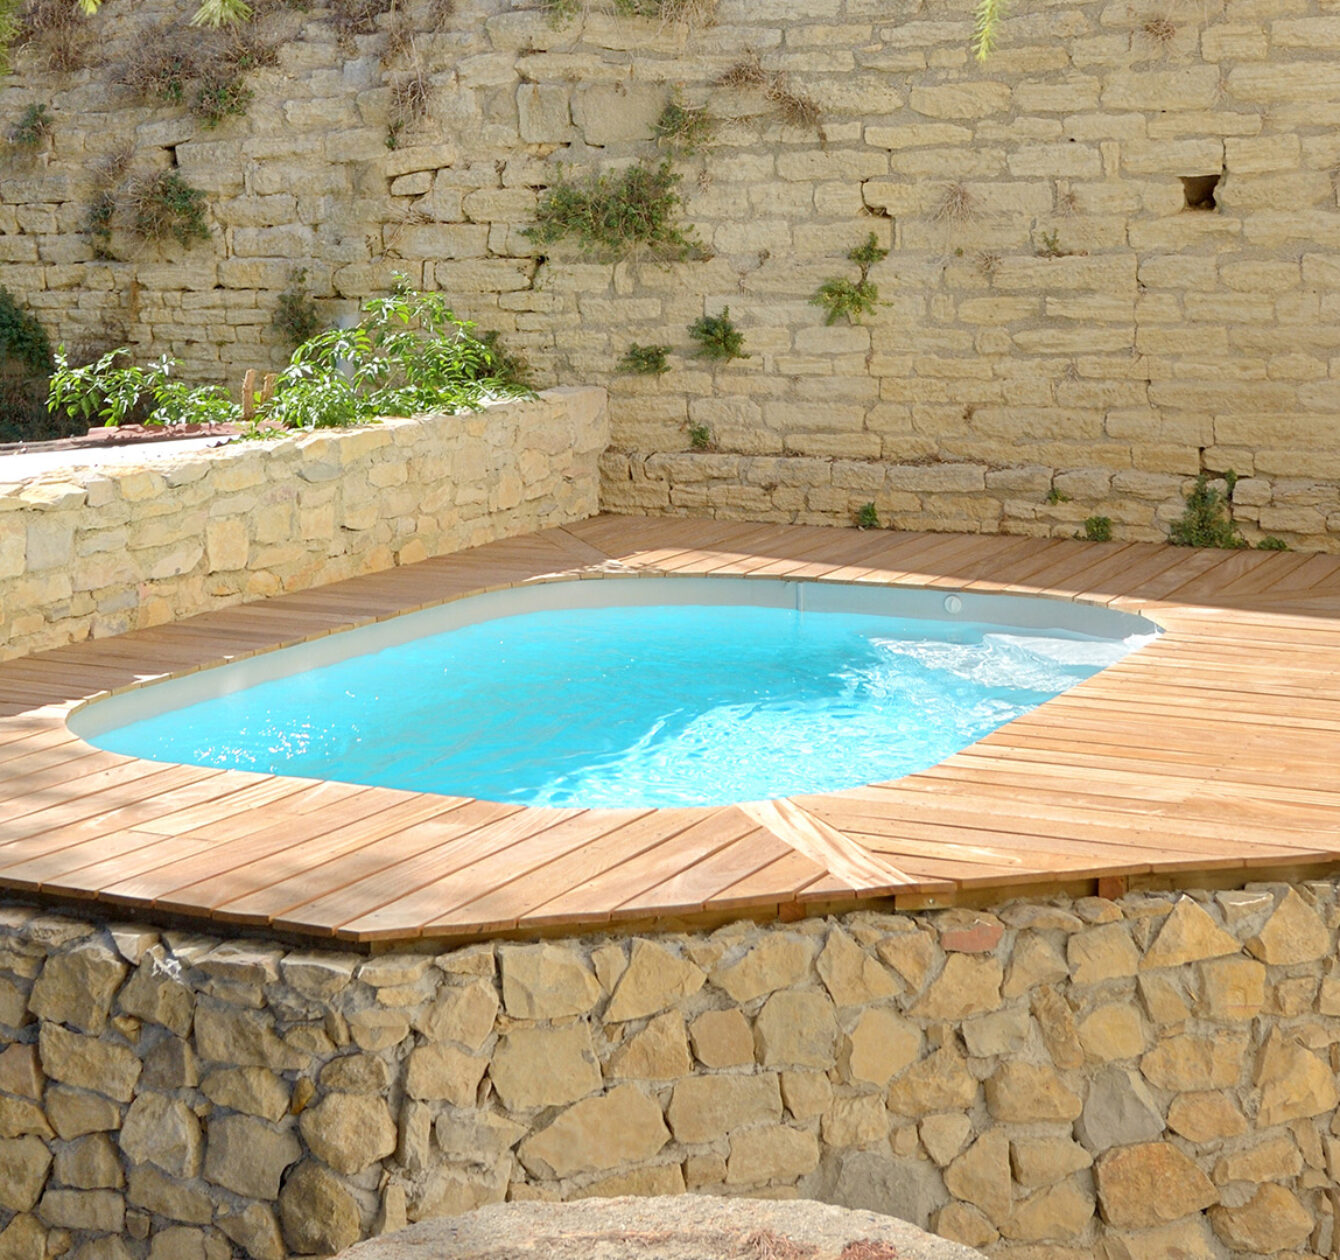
840	296
867	516
295	313
33	128
644	360
1207	520
1271	543
222	93
700	437
795	108
1098	529
98	216
165	205
682	128
617	214
717	337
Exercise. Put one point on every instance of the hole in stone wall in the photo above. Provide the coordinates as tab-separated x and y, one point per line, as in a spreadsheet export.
1199	191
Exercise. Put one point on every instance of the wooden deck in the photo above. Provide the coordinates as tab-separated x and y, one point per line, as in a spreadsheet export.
1211	757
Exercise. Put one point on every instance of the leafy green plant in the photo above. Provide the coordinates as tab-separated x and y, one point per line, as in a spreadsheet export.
507	367
867	516
34	126
700	437
644	360
1272	543
295	312
165	205
840	296
1207	520
852	298
1098	529
616	214
409	354
114	394
717	337
1055	496
684	128
22	338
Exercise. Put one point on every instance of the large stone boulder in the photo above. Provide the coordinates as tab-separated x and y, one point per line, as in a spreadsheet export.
677	1227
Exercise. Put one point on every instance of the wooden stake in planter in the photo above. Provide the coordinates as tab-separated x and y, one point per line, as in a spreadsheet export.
249	395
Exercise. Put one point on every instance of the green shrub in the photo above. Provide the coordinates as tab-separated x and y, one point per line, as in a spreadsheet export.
1271	543
22	339
34	126
222	93
852	298
167	206
409	354
644	360
867	516
505	365
1207	520
684	128
700	437
113	394
295	313
1098	529
840	296
617	214
718	338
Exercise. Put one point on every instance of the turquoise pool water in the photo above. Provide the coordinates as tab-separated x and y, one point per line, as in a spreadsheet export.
635	706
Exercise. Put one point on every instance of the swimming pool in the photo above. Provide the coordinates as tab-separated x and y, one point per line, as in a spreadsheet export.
646	692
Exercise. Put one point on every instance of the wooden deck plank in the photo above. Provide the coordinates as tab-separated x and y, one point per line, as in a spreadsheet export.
1214	748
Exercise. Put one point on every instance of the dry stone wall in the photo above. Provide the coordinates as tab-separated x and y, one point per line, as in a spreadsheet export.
1052	1080
94	551
1060	336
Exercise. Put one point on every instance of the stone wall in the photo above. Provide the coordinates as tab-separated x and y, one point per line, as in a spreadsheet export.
1061	336
104	549
1057	1080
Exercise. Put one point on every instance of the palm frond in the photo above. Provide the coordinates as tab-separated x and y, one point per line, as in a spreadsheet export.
217	13
988	15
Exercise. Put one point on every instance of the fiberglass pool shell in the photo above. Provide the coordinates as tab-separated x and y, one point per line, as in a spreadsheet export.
743	689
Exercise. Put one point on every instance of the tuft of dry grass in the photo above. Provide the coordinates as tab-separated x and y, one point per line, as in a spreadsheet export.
160	68
795	108
410	96
58	30
987	263
957	205
357	17
1159	30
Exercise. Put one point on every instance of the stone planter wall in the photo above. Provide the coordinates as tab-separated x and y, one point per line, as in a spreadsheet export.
96	551
1058	1080
1059	335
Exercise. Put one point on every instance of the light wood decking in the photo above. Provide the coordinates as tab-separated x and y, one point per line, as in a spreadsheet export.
1212	756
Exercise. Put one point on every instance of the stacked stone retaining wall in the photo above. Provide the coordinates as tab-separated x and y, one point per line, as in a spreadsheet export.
1055	1080
1059	335
102	549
